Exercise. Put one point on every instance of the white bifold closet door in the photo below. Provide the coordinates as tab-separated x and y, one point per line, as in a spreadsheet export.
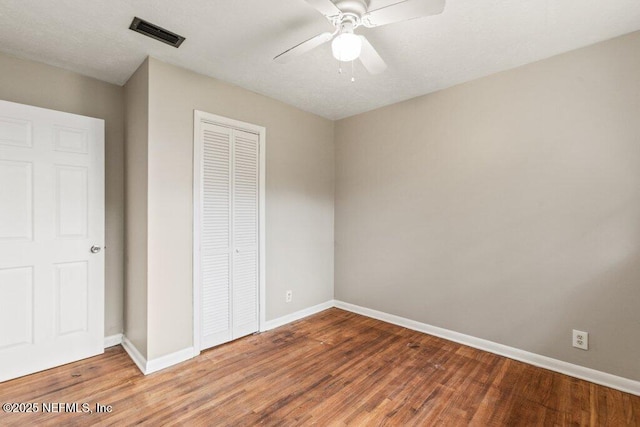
229	239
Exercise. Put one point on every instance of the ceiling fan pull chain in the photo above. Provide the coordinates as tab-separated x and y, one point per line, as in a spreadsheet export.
353	79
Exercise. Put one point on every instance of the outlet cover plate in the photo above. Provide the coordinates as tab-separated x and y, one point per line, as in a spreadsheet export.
581	339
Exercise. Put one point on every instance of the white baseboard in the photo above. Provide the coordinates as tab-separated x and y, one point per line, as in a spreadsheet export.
163	362
112	340
134	354
280	321
150	366
588	374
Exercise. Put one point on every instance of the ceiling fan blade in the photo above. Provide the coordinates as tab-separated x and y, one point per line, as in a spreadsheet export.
325	7
303	47
370	58
403	11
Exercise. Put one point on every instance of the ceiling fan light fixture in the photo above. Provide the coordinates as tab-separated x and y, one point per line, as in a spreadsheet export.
346	47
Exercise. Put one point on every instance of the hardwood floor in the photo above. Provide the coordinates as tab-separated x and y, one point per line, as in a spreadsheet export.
334	368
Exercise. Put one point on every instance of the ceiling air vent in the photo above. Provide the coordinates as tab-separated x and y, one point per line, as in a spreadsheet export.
158	33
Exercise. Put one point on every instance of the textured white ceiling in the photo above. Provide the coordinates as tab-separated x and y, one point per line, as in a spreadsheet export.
235	41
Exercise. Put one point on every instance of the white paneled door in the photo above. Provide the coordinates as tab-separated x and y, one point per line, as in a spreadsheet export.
51	238
228	180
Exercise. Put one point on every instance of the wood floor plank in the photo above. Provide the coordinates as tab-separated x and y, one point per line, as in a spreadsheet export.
331	369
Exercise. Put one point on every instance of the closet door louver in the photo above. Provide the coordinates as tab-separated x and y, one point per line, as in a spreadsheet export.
245	233
216	235
229	239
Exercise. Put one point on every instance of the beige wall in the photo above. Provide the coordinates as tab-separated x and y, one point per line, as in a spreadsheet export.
507	208
299	199
136	178
33	83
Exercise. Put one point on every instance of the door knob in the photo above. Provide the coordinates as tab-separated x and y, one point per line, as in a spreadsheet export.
237	251
95	249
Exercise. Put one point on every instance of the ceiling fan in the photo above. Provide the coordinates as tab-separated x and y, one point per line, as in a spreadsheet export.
347	15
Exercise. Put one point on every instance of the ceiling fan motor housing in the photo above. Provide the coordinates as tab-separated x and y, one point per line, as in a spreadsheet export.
357	8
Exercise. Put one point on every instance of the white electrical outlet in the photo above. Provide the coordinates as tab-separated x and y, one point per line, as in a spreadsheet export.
288	297
581	339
